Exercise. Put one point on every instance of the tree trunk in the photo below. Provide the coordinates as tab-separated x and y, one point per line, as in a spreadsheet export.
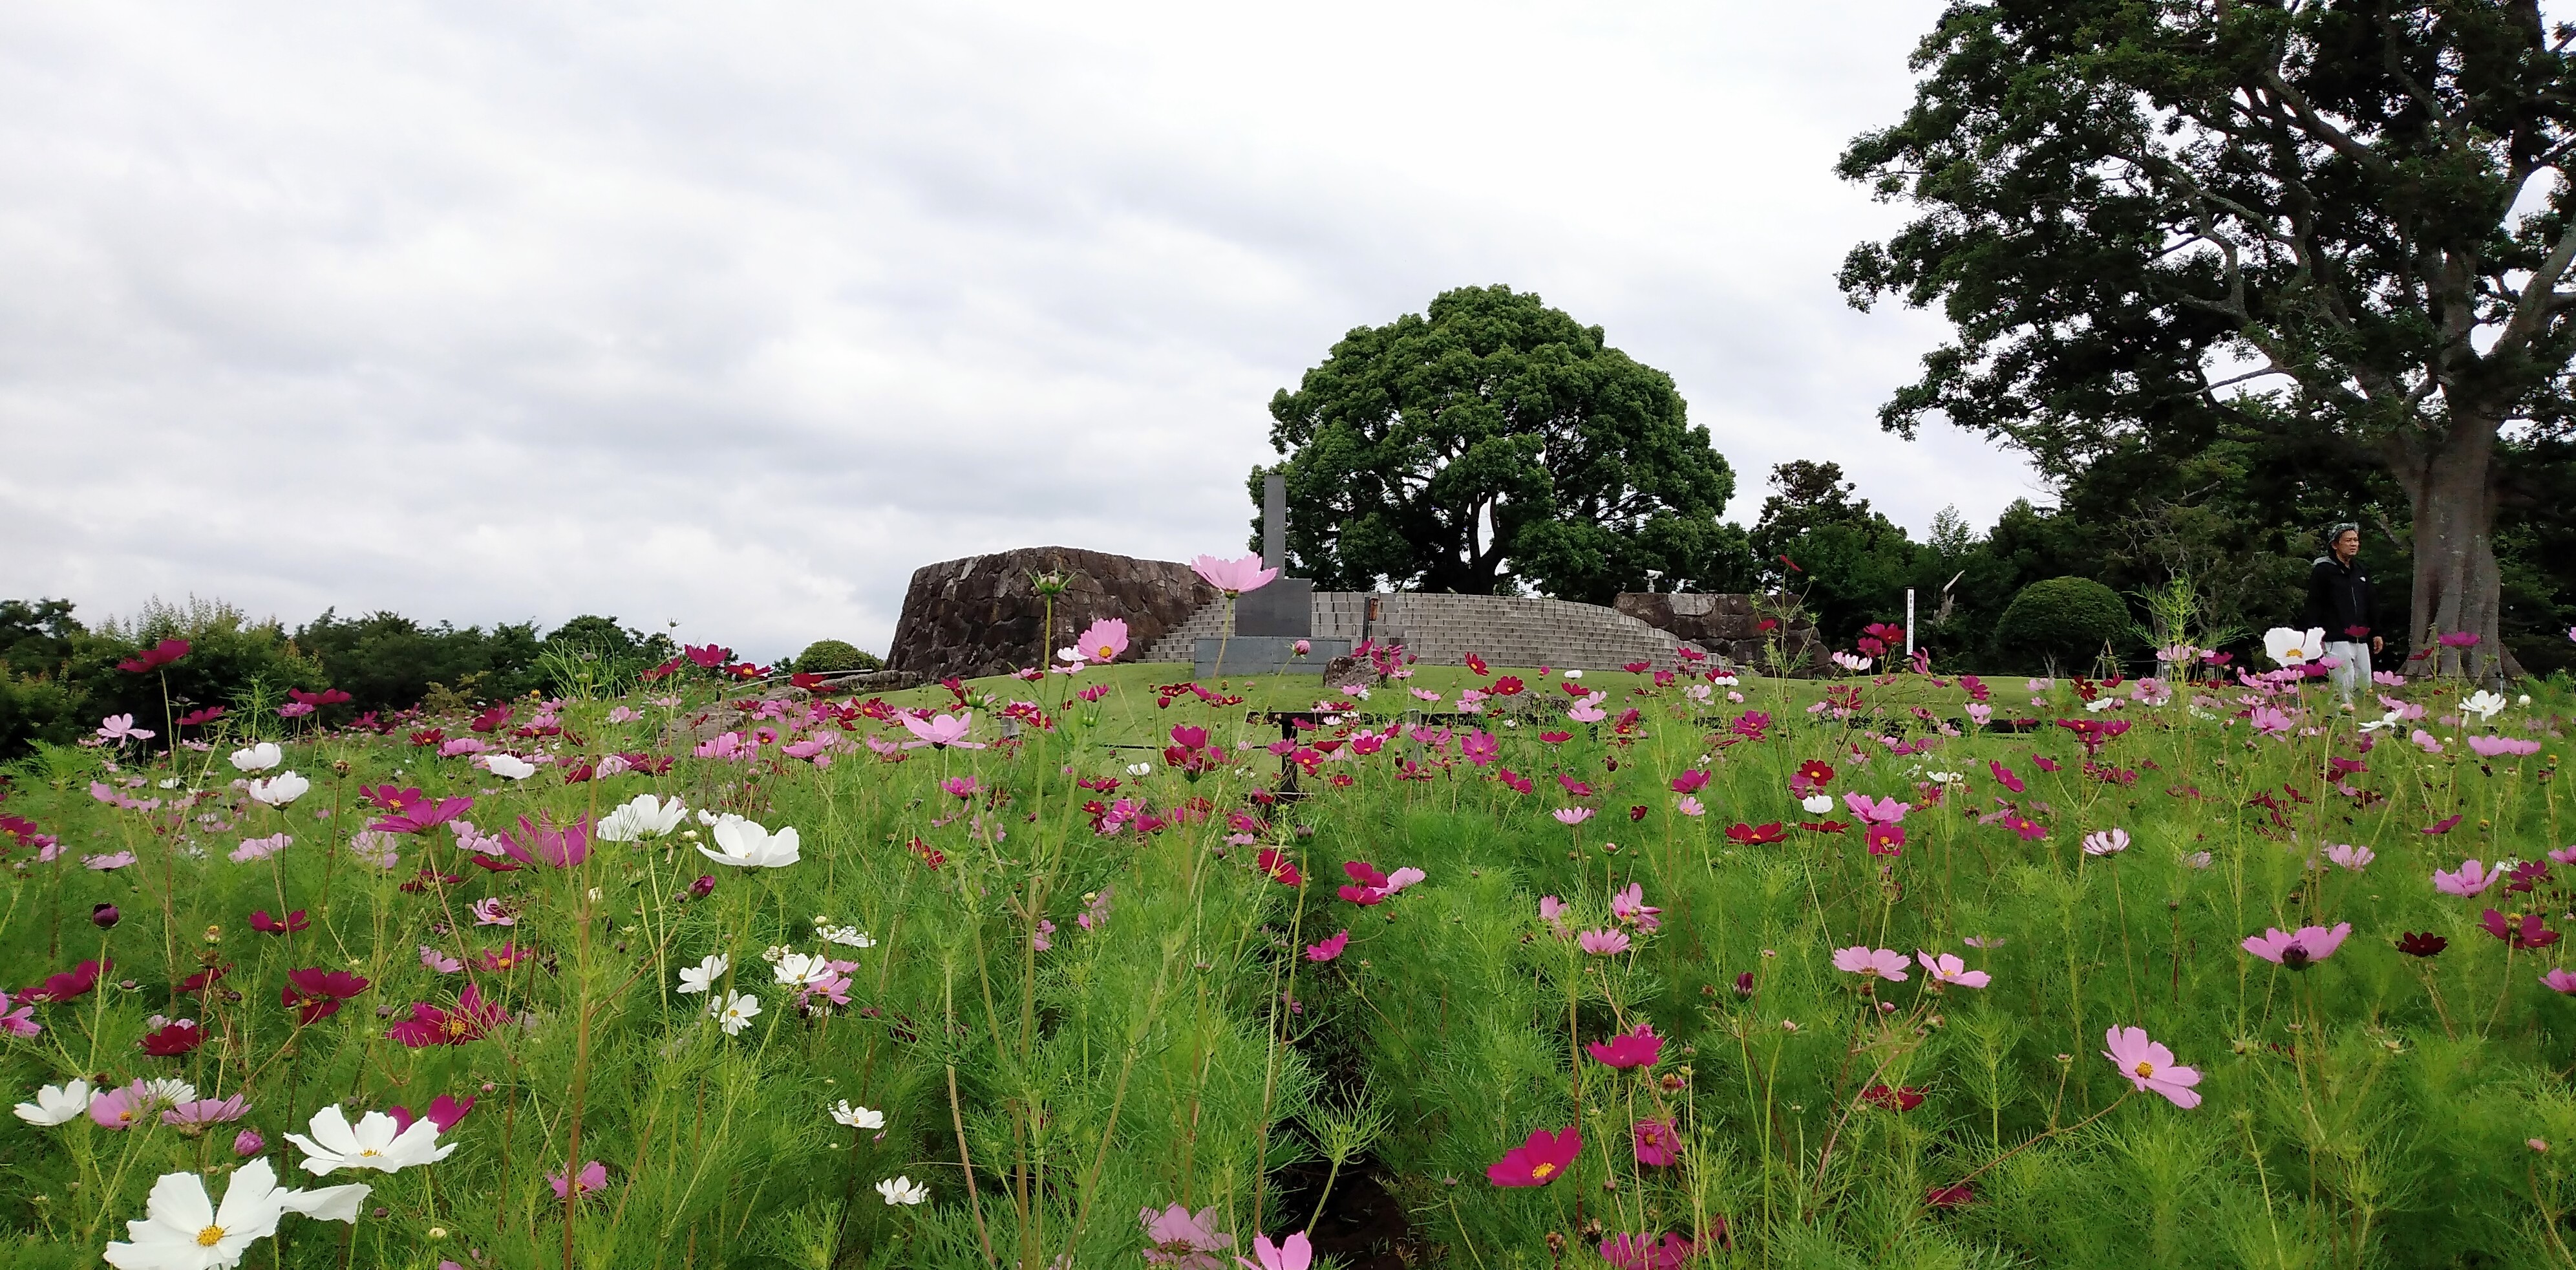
2450	483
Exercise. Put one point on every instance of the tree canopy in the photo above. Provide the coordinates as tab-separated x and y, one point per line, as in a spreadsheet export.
2332	224
1492	444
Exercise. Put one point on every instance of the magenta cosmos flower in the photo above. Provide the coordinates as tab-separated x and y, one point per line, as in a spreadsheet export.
1876	811
593	1176
1656	1143
1605	943
1861	959
941	730
2151	1066
1637	1047
472	1019
1540	1160
1234	577
2296	949
1644	1252
541	841
1330	948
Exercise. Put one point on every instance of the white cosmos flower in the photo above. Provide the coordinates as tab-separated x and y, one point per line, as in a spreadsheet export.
642	816
858	1117
56	1104
2289	646
169	1091
747	845
702	976
507	766
183	1230
735	1014
258	758
279	790
902	1190
801	970
1817	804
848	936
2484	704
375	1142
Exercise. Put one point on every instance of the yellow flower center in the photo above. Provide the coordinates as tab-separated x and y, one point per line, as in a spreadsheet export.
368	1152
1542	1170
1104	654
2146	1068
210	1236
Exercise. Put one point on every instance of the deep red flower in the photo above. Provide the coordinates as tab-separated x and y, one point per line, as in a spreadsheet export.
1540	1160
428	737
260	921
195	717
2526	933
326	697
490	719
315	994
2442	826
392	799
1903	1098
471	1020
1816	772
1752	836
1508	686
173	1040
203	979
155	657
72	983
1477	664
2421	943
1950	1196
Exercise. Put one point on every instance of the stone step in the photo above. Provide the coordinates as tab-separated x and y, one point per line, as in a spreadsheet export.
1442	629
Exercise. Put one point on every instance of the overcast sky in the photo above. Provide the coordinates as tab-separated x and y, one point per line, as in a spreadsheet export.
733	315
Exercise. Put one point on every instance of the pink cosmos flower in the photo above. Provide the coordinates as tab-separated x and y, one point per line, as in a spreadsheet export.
593	1176
2106	842
1330	948
540	840
109	863
1181	1240
1572	816
2472	878
1656	1143
1861	959
205	1111
1292	1253
1234	577
2350	857
492	910
1479	748
1603	943
2296	949
940	730
1552	911
20	1021
1689	806
122	1108
1875	811
439	962
2560	981
2151	1066
117	729
1886	839
1947	968
1630	906
2486	746
2424	741
1103	640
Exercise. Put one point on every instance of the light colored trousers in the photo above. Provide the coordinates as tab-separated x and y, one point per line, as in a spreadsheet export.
2354	674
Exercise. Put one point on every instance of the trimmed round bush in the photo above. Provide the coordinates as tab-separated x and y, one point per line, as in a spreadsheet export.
832	657
2061	621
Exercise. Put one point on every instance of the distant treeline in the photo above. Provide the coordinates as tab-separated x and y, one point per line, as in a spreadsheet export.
59	677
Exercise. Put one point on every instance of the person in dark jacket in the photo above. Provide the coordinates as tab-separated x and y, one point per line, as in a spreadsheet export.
2339	603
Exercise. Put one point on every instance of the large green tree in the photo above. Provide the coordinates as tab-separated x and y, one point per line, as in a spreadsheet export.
1494	443
2345	222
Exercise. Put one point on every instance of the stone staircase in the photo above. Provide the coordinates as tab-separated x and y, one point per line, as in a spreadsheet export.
1441	630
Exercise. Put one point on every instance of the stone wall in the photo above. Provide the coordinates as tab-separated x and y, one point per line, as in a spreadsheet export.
979	615
1729	626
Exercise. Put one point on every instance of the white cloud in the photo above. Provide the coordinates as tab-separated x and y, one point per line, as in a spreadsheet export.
736	315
